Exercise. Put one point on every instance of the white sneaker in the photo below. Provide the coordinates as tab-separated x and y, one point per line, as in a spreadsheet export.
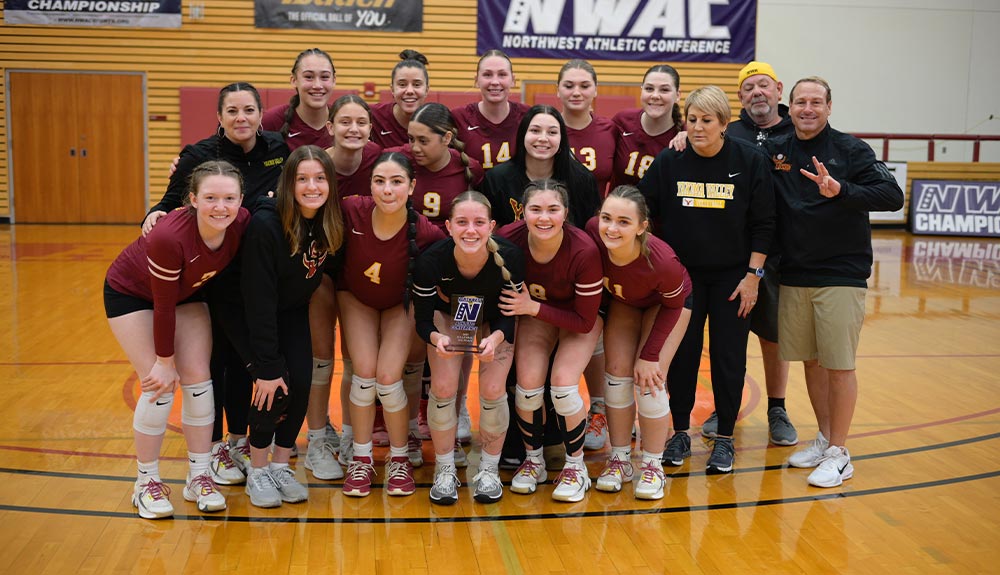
290	489
151	499
444	491
464	432
461	459
346	454
812	454
224	470
321	459
332	435
528	476
202	489
616	473
834	467
487	487
651	481
240	453
571	484
262	489
597	431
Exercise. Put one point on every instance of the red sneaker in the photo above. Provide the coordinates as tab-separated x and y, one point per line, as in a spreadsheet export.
399	476
360	475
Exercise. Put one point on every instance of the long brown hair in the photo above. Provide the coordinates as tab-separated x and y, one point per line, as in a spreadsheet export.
330	236
632	194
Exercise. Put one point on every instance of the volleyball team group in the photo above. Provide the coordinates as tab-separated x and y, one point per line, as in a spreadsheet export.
581	247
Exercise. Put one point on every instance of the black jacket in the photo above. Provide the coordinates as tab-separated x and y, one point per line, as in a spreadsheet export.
746	129
504	187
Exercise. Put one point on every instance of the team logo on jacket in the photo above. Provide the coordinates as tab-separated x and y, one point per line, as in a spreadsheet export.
313	259
781	163
518	209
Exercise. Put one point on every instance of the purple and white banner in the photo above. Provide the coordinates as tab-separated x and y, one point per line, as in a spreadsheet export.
126	13
955	208
666	30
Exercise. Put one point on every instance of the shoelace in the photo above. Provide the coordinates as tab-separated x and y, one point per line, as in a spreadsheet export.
397	470
724	446
447	478
358	470
651	470
225	458
569	475
157	490
262	480
529	467
616	467
414	443
598	423
283	476
244	450
325	444
205	484
488	479
676	443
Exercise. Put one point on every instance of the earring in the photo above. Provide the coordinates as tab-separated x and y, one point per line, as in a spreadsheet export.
221	131
260	130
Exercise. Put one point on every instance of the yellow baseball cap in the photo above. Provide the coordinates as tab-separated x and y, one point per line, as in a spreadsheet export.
754	68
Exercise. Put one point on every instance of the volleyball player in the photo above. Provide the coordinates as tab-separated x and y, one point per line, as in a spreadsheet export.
409	91
302	121
644	131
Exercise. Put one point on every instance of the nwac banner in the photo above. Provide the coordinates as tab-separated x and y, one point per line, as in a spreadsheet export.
371	15
666	30
134	14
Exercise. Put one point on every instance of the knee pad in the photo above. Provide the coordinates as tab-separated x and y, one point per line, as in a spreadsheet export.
322	371
413	374
618	391
599	349
494	415
526	400
566	399
199	404
654	407
441	414
392	396
151	416
362	391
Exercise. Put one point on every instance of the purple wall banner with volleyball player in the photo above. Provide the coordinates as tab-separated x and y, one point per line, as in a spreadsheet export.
371	15
671	30
955	208
138	14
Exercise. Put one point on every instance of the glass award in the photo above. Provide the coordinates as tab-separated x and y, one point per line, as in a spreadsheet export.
466	319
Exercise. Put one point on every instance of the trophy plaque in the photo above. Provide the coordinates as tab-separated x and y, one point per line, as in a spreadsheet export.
466	318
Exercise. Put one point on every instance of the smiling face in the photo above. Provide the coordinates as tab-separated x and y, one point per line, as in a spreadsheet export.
391	186
470	226
351	127
545	214
240	118
311	187
659	94
409	88
428	147
314	80
543	137
494	79
619	224
577	90
216	202
809	109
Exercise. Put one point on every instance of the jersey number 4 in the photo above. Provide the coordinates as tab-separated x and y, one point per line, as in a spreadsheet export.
373	271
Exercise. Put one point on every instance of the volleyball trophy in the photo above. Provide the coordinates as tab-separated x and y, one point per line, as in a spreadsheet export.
466	318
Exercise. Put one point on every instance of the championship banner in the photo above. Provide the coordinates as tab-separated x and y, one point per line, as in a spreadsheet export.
955	208
665	30
130	14
371	15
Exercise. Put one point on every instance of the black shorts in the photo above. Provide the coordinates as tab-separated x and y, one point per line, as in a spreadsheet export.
764	317
118	304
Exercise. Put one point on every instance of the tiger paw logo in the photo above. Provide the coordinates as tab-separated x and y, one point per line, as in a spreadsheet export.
781	163
312	259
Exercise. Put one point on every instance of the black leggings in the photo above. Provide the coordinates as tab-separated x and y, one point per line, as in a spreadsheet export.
727	334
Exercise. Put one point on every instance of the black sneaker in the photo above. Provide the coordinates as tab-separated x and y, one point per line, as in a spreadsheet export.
678	449
723	455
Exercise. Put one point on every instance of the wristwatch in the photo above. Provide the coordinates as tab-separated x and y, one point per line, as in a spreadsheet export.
759	272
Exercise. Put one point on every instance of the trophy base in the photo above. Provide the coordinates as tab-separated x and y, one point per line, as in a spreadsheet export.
463	348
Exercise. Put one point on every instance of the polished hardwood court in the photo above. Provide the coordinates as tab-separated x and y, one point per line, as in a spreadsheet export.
925	443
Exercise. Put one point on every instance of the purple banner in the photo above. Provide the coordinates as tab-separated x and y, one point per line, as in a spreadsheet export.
955	208
671	30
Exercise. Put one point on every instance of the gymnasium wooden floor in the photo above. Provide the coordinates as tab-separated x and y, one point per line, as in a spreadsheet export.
926	446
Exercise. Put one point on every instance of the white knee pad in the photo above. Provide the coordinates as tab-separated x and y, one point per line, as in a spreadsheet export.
322	371
392	396
199	404
599	349
528	400
413	378
441	414
494	415
151	416
566	399
618	391
654	407
362	391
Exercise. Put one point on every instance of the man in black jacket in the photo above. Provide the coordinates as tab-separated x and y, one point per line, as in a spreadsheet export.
825	183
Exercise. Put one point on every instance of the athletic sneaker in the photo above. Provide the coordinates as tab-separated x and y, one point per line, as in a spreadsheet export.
616	473
415	449
224	470
321	459
487	487
291	490
812	454
780	430
360	475
202	489
651	481
571	484
151	499
528	476
461	459
380	435
834	467
444	491
710	428
399	477
677	450
346	453
464	432
332	435
423	428
723	455
262	489
240	452
597	432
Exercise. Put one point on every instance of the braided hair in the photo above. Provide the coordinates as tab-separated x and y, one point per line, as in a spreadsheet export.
632	194
491	244
295	100
413	251
439	120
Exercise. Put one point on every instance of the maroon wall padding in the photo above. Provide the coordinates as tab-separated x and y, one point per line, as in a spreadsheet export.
608	106
198	113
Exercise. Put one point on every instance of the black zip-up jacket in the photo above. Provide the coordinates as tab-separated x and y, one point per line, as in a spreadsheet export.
745	129
827	241
505	190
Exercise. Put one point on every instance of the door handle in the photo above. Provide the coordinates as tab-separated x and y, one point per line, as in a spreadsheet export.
83	152
72	152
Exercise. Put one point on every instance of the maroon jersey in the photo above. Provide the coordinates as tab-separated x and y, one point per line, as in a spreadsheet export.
594	146
634	148
434	191
169	265
659	280
568	286
299	132
374	270
386	130
490	144
360	182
